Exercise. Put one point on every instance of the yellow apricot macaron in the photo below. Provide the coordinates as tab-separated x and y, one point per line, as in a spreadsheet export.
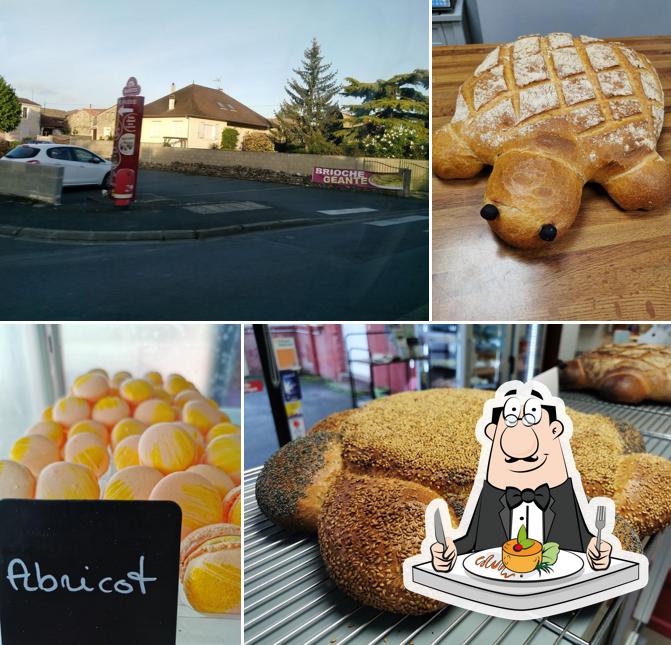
87	449
197	439
210	569
110	410
92	386
50	430
154	377
235	513
231	500
125	428
70	409
126	452
35	452
162	394
48	413
120	377
136	390
133	483
224	452
94	427
16	481
222	428
217	477
183	397
200	414
167	447
199	500
175	383
154	411
63	480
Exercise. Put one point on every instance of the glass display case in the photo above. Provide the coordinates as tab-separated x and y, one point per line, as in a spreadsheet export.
179	371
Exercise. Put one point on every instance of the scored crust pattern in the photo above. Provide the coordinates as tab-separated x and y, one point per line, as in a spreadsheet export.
596	86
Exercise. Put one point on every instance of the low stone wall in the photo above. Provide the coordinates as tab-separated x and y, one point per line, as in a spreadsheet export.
267	163
38	182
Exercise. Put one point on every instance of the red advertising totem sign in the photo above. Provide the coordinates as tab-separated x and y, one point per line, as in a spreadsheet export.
126	150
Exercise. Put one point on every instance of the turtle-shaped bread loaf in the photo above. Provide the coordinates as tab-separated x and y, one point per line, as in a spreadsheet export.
363	480
551	113
625	373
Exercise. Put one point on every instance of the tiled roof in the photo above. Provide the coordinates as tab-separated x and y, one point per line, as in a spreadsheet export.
208	103
27	101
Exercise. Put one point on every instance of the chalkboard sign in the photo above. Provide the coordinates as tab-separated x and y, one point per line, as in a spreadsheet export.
88	572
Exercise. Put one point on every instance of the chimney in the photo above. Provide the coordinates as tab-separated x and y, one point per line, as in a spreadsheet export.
172	88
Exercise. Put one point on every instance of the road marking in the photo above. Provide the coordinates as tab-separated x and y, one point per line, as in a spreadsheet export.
398	220
240	190
225	207
348	211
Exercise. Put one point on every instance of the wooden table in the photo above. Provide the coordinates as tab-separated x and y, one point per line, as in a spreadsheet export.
612	265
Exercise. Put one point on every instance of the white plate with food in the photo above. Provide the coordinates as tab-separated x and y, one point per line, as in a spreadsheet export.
524	560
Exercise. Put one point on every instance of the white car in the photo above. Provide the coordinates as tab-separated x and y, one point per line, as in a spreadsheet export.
81	166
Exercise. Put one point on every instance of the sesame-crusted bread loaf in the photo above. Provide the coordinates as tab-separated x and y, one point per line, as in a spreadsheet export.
427	437
625	373
643	492
627	534
596	465
368	526
292	486
551	113
366	478
336	422
632	439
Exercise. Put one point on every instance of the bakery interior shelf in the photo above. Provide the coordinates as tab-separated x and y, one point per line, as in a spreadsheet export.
289	597
612	265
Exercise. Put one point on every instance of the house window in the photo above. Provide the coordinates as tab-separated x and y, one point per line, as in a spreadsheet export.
24	112
107	132
207	131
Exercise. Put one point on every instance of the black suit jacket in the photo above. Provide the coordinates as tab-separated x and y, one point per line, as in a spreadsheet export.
490	525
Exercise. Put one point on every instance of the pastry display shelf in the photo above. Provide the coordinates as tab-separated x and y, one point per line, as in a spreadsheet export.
290	598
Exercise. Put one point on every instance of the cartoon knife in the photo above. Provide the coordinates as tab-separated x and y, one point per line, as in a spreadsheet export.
439	529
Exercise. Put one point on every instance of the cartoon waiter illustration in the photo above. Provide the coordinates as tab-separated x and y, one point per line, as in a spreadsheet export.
527	481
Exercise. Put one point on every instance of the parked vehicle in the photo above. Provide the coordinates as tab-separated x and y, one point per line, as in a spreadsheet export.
81	166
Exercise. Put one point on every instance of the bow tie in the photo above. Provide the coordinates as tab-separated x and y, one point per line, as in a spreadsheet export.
541	496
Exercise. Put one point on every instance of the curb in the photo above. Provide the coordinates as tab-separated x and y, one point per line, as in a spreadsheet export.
64	235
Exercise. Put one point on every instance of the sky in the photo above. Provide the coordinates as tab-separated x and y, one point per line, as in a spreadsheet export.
68	54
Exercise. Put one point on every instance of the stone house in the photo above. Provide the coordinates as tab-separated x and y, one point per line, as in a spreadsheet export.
29	127
195	116
83	122
106	122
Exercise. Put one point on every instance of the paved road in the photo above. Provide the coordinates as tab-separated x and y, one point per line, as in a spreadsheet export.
367	270
168	200
370	264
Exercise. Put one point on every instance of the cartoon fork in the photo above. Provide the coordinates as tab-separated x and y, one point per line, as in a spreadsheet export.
600	524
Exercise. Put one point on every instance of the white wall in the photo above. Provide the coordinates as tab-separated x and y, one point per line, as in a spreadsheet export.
29	128
497	21
154	129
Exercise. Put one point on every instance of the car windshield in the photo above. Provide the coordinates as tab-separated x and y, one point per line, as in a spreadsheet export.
23	152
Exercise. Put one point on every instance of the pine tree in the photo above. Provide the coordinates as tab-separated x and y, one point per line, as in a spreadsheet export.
309	117
10	108
393	117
